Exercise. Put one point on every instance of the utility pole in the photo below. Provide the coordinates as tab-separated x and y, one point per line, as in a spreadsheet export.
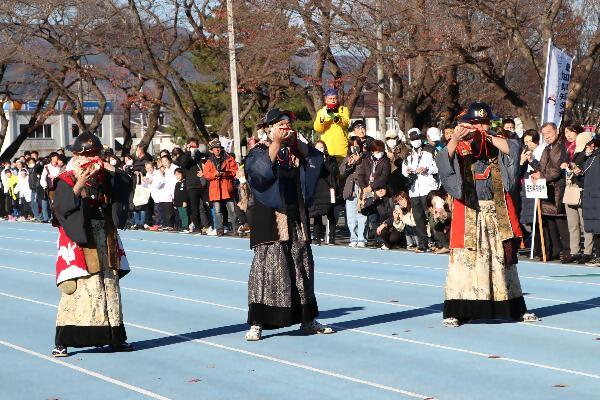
233	84
380	75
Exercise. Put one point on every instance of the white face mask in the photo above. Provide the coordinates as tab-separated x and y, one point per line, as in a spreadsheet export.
378	155
588	152
31	165
113	162
391	143
416	143
262	135
129	162
242	179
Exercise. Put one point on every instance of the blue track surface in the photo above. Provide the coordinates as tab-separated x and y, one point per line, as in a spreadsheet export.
185	306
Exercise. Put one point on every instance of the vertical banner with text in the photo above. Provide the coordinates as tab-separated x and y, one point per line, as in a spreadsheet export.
558	76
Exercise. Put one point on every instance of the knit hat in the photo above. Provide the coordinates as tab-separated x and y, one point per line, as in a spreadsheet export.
434	134
391	134
330	92
356	124
213	144
582	139
414	134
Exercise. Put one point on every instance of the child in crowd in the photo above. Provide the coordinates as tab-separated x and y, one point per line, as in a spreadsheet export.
181	200
24	195
12	183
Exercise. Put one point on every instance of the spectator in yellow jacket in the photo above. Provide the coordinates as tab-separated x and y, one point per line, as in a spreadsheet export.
332	123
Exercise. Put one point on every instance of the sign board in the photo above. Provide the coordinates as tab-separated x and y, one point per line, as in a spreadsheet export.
61	105
539	190
227	143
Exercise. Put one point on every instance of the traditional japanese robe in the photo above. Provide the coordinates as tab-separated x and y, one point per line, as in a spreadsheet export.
281	282
482	280
90	262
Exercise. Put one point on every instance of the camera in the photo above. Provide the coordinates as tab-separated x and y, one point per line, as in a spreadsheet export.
412	177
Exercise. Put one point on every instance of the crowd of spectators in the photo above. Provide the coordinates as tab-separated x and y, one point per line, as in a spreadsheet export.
381	194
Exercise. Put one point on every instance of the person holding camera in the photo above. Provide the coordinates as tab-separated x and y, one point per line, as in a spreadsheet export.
390	231
420	169
351	193
192	162
332	123
373	174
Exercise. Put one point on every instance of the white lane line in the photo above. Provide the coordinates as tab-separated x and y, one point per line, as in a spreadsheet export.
85	371
543	326
249	353
208	303
538	264
246	264
525	324
396	338
230	280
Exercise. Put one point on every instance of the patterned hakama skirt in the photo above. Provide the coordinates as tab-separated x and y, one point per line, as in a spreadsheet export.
281	283
480	285
92	315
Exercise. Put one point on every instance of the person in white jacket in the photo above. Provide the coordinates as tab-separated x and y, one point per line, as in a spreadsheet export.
154	180
165	200
24	192
420	169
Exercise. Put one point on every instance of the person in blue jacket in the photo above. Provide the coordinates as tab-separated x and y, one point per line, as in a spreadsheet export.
282	176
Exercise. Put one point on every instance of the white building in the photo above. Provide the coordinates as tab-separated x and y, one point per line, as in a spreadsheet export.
59	130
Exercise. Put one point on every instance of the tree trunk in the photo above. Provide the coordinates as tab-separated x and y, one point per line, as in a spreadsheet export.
3	126
451	105
126	124
153	117
581	73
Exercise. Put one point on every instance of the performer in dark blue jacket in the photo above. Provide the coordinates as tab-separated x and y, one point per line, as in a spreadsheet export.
282	178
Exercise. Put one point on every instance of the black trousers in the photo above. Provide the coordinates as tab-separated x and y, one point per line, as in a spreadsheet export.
3	212
392	237
419	210
319	227
556	236
165	214
198	209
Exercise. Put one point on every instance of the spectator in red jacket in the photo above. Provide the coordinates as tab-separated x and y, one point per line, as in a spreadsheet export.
220	171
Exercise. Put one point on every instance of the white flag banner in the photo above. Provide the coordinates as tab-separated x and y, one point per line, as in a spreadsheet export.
558	76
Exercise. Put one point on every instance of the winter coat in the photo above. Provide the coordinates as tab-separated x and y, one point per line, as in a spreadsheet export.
191	164
378	170
350	175
327	180
334	134
591	194
139	164
552	157
220	187
180	194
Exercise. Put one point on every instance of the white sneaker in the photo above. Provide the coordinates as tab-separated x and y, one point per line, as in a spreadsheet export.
530	317
361	244
316	327
352	244
384	247
211	232
254	334
451	323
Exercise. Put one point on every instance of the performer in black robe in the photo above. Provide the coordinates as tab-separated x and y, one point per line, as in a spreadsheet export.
91	259
282	178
